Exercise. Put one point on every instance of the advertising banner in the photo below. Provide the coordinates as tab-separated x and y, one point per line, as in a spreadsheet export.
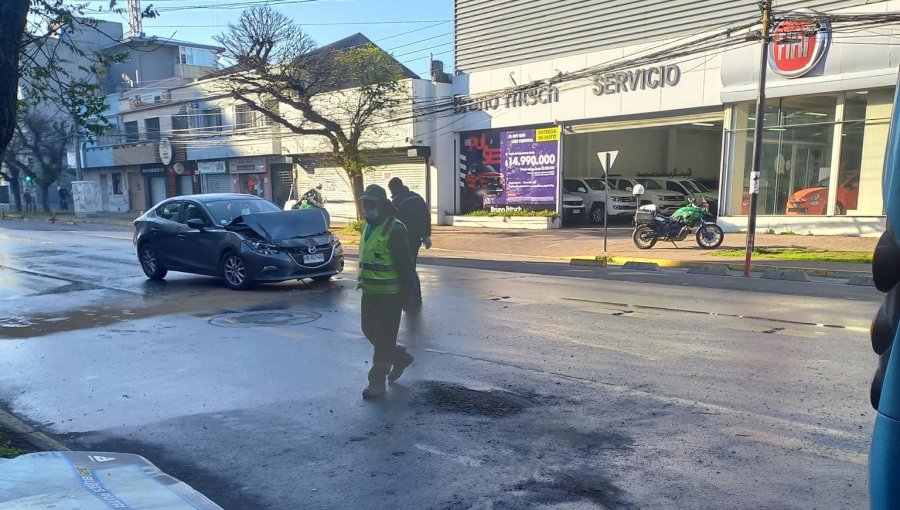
515	168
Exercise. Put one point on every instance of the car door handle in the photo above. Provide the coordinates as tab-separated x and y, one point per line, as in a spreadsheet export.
182	236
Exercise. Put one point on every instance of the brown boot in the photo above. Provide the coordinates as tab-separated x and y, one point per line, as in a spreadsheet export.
376	387
402	359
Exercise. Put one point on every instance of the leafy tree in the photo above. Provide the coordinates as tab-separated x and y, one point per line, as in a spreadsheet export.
44	141
39	58
342	95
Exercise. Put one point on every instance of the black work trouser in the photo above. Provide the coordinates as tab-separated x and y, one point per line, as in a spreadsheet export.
380	319
414	246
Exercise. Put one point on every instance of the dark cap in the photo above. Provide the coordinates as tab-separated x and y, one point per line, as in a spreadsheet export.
374	193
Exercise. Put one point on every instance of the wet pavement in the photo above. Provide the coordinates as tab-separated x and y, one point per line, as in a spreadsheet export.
545	387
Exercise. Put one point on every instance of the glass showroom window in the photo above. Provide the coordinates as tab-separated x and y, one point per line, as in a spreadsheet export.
861	162
796	154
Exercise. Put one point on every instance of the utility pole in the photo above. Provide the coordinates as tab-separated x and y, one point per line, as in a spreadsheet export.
766	6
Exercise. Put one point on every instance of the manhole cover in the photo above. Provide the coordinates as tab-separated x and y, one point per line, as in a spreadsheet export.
453	398
264	318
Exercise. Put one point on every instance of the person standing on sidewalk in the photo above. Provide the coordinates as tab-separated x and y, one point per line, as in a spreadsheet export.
387	278
413	212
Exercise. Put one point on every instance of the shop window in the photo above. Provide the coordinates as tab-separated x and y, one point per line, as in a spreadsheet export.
795	159
799	173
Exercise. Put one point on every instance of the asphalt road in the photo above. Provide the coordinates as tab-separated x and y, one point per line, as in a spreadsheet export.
534	386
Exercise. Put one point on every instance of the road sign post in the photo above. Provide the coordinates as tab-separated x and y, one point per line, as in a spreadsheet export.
607	158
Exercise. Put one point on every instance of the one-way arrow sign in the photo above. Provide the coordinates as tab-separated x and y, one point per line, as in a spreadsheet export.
607	159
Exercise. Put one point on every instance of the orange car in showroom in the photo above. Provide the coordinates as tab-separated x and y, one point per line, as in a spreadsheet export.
814	200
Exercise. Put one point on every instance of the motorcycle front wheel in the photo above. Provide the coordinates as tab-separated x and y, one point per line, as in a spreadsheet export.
643	237
710	236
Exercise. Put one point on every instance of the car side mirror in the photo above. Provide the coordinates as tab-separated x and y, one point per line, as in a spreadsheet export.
628	188
581	190
196	223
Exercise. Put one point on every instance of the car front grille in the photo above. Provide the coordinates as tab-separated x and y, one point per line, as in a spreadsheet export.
572	203
298	253
625	199
672	198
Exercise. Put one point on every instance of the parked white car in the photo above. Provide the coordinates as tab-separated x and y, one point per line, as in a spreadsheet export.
655	193
572	209
593	191
692	188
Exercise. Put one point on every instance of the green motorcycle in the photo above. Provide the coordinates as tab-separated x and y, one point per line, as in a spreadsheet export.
692	218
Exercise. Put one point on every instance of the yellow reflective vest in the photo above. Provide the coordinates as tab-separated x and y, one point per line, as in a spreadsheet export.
377	273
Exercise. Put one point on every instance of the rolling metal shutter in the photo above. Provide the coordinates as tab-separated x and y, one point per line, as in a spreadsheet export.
218	183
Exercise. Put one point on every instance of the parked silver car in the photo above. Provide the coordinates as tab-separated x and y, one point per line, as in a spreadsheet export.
655	193
593	191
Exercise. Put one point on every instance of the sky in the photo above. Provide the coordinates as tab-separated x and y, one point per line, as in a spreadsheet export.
408	29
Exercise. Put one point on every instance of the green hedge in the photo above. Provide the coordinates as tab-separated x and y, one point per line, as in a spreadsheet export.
515	213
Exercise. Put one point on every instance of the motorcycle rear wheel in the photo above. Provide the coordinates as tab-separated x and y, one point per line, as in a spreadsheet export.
710	236
643	237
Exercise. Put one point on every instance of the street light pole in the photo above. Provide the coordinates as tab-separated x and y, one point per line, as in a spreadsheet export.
766	6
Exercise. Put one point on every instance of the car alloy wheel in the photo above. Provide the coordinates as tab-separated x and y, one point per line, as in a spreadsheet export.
597	213
150	263
235	272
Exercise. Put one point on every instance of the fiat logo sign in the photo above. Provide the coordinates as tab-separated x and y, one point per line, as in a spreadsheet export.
797	46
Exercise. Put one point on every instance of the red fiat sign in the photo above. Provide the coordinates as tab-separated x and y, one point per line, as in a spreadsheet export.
797	46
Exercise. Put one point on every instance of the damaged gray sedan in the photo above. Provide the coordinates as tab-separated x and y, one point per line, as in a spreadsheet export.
241	238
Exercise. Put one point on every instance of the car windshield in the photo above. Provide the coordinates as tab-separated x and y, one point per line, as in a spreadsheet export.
224	211
621	185
694	186
595	184
650	184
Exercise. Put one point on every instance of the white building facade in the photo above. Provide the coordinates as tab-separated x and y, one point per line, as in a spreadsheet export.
674	94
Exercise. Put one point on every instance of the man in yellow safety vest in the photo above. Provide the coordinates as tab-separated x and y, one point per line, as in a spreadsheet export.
387	277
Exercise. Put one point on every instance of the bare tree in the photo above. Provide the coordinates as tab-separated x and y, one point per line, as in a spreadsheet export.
342	95
42	140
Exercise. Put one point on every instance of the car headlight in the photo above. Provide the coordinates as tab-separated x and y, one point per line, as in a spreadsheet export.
263	247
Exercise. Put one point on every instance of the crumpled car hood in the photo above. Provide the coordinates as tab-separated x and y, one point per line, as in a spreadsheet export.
282	225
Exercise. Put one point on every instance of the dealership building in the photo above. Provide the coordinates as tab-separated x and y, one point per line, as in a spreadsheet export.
539	95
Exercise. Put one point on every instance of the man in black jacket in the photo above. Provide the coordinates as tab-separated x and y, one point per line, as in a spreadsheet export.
413	212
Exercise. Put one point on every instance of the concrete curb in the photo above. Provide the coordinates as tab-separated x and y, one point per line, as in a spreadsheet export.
713	268
37	439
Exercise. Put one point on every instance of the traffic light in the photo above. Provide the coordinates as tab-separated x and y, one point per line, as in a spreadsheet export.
27	178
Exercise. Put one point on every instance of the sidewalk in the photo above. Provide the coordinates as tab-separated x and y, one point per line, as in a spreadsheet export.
581	245
586	244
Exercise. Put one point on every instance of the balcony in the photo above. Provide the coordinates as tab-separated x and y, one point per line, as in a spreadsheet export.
140	153
97	157
192	71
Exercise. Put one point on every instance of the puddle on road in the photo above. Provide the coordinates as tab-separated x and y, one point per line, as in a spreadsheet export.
455	398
